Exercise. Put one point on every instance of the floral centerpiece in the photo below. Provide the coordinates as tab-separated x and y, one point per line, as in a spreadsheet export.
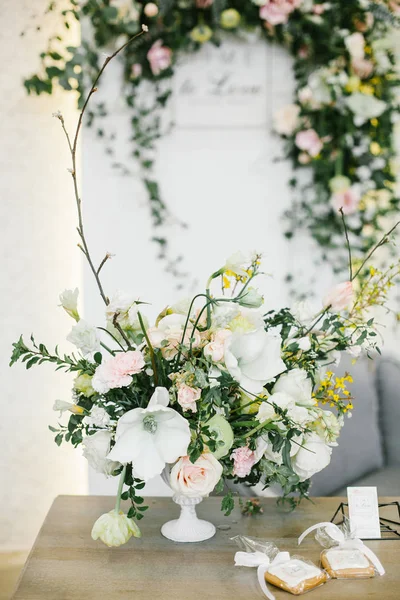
216	389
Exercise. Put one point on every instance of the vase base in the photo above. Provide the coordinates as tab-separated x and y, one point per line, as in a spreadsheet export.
183	532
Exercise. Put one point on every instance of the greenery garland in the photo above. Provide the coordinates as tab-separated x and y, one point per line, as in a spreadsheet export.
340	125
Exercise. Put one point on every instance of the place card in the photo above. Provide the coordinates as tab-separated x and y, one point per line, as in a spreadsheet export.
364	512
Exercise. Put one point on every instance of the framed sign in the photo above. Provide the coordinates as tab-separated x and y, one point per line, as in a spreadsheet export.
224	86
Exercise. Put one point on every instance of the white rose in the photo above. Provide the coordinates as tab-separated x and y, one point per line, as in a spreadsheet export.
320	90
98	417
365	107
69	302
95	449
276	457
254	358
312	457
297	384
114	529
85	337
195	479
286	119
339	183
355	44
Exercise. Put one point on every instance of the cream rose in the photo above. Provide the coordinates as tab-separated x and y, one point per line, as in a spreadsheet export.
195	479
286	119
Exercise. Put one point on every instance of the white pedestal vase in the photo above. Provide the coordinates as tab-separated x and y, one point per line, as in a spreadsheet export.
188	528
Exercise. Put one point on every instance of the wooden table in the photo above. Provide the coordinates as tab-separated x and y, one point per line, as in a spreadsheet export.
66	564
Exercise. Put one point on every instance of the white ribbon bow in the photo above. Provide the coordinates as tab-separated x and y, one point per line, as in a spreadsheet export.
263	563
352	543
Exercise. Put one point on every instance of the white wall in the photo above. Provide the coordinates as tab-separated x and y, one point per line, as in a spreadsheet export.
38	260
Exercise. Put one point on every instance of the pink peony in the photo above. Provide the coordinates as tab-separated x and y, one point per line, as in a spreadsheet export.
187	397
117	371
309	141
244	459
159	57
347	200
276	12
195	479
339	297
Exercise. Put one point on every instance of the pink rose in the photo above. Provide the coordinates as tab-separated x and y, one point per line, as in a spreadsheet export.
362	67
276	12
204	3
216	348
347	200
195	479
244	460
117	371
339	297
187	397
319	9
309	141
159	57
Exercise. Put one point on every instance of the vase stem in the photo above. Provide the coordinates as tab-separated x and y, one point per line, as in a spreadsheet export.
188	528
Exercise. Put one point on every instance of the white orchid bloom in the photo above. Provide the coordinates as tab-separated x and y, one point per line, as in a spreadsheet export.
254	358
151	437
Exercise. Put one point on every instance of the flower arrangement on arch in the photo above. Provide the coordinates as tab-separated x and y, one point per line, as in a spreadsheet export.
216	389
339	126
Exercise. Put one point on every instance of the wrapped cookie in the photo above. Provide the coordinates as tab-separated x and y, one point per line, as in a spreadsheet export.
345	556
292	574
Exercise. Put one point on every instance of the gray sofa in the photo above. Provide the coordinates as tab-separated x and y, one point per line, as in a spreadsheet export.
369	444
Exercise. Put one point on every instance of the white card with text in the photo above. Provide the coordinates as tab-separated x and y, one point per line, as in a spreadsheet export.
364	512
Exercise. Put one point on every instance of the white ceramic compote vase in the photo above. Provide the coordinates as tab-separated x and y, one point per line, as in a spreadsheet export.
188	527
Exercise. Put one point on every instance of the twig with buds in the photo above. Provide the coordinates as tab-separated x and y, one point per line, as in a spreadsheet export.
73	149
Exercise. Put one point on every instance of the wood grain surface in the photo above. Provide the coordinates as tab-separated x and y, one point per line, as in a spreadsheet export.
66	564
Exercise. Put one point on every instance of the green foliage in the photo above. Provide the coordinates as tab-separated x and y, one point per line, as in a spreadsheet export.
39	354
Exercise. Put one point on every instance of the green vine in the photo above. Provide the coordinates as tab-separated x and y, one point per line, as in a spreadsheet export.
339	127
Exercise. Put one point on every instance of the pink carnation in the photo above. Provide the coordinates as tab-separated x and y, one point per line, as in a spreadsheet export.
347	200
117	371
244	459
276	12
187	397
309	141
159	57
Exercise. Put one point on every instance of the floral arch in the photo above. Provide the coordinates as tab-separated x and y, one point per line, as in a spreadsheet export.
340	124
